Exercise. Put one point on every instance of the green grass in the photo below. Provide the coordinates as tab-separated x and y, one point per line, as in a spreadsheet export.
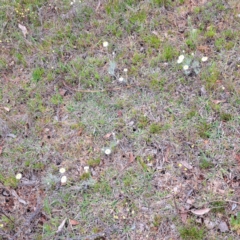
63	103
191	232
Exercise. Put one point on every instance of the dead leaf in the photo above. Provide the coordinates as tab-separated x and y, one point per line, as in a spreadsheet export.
119	113
131	157
24	29
183	215
203	48
73	222
107	136
18	198
223	227
186	165
62	92
190	201
237	157
218	101
200	212
60	228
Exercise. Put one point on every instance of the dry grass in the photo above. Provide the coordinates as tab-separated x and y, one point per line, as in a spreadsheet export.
173	133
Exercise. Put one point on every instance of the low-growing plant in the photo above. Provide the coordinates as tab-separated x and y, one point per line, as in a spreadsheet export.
94	162
235	223
191	232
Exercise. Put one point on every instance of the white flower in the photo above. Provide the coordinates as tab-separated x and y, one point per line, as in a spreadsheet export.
62	170
204	59
180	59
192	54
107	151
121	79
86	169
18	176
63	180
105	44
185	67
125	69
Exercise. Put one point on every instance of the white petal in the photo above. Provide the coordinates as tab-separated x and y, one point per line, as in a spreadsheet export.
86	169
64	179
105	44
62	170
121	79
204	59
185	67
18	176
107	151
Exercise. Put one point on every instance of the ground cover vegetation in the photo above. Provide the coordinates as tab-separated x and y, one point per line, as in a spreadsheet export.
119	119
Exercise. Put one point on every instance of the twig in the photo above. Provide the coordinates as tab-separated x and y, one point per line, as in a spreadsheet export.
175	204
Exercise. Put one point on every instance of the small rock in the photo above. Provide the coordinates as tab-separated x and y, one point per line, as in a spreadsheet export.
223	227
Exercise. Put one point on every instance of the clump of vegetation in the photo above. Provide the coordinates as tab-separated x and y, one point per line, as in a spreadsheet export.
191	232
94	162
235	223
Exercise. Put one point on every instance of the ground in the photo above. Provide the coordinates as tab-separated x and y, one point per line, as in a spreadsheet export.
137	101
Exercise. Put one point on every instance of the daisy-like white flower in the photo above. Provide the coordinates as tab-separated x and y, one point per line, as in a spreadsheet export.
18	176
105	44
62	170
121	79
180	59
86	169
64	180
107	151
125	69
185	67
204	59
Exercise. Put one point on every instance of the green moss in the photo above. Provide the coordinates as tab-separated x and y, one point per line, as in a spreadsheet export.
94	162
169	53
9	181
218	207
191	233
157	220
210	76
161	3
37	74
205	164
235	223
204	129
153	41
225	117
211	32
142	122
85	176
192	113
155	128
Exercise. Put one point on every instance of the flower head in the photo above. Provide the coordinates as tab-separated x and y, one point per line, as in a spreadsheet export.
125	69
185	67
64	180
204	59
105	44
62	170
18	176
107	151
180	59
86	169
121	79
